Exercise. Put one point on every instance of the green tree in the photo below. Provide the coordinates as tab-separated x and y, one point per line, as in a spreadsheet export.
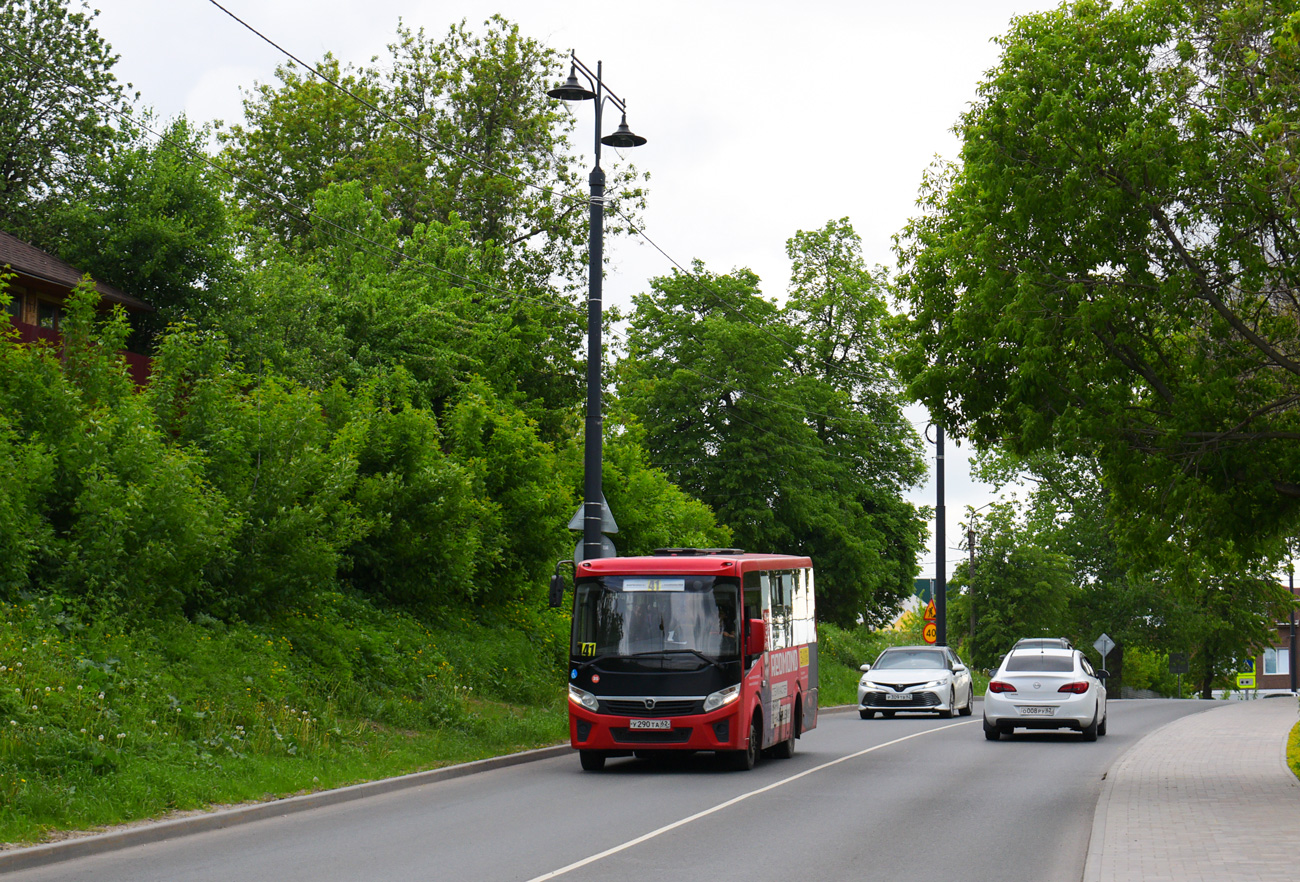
1020	589
1109	269
456	128
782	419
152	221
1202	598
300	137
354	300
58	99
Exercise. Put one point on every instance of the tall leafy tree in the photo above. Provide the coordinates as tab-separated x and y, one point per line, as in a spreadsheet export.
354	299
152	221
1019	588
782	418
1110	267
452	128
58	97
1201	599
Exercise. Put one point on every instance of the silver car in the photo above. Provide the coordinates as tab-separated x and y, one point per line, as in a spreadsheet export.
915	678
1045	688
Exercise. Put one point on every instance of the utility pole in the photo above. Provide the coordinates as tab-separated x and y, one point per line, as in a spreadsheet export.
970	593
940	546
1291	654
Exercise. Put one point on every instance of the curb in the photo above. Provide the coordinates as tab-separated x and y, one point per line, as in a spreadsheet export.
102	843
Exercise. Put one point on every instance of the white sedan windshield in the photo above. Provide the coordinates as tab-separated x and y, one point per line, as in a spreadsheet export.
910	658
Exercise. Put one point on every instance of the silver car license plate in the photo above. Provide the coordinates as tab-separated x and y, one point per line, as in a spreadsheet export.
650	724
1037	711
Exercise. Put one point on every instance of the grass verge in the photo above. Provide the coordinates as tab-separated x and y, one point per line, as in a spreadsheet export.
102	724
1293	750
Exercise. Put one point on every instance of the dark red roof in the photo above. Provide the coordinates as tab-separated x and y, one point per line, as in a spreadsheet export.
28	260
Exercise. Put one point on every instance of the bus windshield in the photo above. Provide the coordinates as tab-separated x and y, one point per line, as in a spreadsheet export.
636	615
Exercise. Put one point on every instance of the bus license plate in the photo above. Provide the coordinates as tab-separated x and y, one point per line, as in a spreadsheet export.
1033	711
650	724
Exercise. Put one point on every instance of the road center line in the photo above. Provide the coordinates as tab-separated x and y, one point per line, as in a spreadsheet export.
730	802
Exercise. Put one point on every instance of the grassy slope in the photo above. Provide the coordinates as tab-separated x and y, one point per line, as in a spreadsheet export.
1293	750
101	725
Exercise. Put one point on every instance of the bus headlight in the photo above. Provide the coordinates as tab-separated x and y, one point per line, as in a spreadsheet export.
719	698
586	699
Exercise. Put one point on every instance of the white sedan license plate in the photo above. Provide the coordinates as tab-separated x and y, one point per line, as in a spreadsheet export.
898	697
650	724
1039	711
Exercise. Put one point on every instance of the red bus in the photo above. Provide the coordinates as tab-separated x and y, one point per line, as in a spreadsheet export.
692	649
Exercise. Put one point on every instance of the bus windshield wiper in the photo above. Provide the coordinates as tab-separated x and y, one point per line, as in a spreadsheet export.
695	652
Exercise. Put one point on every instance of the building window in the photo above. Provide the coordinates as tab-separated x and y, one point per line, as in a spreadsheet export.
1277	661
13	305
48	315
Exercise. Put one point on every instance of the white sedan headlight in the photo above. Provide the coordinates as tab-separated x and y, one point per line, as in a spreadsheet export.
867	684
721	697
933	684
581	697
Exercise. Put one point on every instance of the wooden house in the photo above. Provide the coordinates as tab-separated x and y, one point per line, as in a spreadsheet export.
41	283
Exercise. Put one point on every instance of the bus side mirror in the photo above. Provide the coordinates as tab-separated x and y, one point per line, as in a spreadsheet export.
756	642
557	591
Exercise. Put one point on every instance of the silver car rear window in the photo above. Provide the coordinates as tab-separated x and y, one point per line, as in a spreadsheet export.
1033	661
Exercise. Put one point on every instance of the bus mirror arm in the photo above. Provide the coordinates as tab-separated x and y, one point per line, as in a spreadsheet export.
558	586
756	640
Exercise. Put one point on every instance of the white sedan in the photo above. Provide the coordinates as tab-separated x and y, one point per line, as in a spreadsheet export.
915	678
1043	688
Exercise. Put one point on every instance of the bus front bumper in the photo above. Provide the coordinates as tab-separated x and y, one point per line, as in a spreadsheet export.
718	730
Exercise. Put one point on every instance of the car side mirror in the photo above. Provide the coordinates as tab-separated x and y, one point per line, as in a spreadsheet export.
756	642
557	591
1103	674
864	668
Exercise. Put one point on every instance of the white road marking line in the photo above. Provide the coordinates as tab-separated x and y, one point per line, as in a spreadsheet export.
730	802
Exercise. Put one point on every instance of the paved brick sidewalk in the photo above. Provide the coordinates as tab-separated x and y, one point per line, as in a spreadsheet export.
1207	798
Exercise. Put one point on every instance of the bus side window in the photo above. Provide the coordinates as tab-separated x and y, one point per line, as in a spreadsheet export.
802	623
781	584
753	600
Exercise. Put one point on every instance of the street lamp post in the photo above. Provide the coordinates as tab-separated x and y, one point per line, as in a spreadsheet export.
593	509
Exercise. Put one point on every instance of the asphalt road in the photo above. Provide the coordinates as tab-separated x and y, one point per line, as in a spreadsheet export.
912	798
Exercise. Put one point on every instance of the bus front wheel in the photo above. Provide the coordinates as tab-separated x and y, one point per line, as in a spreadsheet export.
744	759
592	760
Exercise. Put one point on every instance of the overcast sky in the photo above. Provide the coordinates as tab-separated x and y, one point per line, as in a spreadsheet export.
762	118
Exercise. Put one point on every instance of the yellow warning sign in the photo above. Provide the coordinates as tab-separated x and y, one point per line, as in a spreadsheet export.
1245	681
931	632
931	613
